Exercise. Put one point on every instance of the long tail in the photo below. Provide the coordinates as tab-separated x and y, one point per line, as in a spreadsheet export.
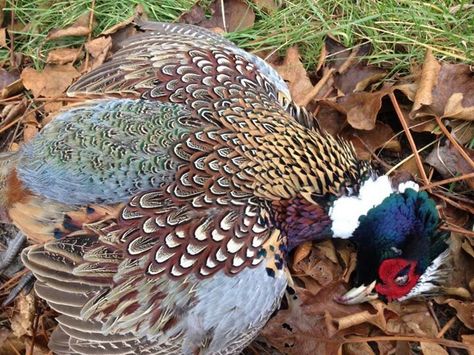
8	161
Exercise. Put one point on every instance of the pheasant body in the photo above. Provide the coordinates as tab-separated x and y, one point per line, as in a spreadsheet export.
175	194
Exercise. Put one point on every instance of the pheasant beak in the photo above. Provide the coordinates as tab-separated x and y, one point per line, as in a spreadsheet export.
358	295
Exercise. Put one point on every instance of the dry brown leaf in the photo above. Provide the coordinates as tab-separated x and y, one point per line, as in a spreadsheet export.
294	73
8	77
328	249
194	16
51	82
357	349
79	28
366	142
52	107
377	318
432	349
139	14
353	74
330	119
361	108
468	339
98	49
268	5
3	38
9	344
63	55
237	16
306	327
22	321
464	311
30	128
449	162
444	90
302	251
428	79
411	318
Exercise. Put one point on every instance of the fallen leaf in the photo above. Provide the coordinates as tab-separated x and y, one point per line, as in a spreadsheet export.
63	55
12	89
268	5
445	90
8	77
462	131
194	16
98	49
237	15
302	251
428	79
449	162
229	15
294	73
52	107
22	321
139	14
361	108
51	82
330	119
353	74
432	349
357	349
3	38
79	28
411	318
30	128
468	339
366	142
306	326
464	311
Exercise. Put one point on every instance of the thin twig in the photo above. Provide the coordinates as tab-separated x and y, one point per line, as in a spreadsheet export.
448	181
89	36
13	347
12	35
419	163
446	327
456	229
316	88
224	21
445	342
454	142
396	166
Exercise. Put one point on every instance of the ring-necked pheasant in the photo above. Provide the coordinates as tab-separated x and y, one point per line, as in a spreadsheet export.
226	176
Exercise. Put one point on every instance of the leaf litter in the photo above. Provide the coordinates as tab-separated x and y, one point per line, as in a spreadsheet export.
353	99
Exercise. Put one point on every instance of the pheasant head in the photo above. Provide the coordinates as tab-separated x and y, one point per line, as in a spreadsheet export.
401	253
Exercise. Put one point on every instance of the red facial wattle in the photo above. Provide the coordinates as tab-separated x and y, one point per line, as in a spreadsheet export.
388	271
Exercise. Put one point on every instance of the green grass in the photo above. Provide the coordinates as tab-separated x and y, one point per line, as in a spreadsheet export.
399	30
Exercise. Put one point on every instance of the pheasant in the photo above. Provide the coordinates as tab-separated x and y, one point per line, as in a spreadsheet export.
172	197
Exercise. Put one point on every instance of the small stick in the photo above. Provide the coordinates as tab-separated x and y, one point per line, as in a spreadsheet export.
316	88
419	164
89	36
448	181
454	142
446	327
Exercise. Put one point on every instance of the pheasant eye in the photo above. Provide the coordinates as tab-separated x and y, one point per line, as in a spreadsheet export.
401	280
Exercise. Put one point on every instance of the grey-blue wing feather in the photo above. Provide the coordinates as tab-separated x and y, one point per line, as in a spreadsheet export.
105	151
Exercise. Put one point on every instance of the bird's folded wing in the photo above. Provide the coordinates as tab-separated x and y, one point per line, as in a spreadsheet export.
180	63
